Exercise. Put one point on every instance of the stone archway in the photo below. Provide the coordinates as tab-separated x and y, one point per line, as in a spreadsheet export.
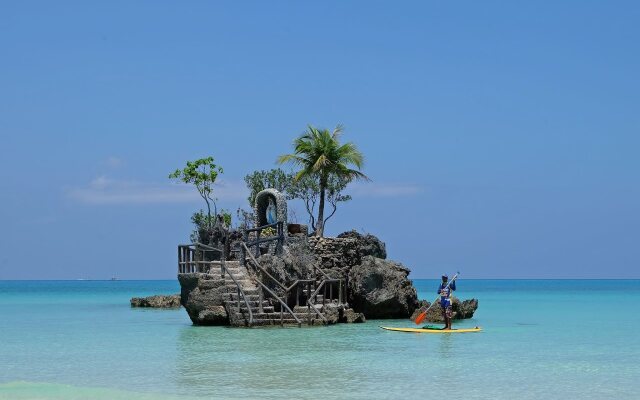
270	205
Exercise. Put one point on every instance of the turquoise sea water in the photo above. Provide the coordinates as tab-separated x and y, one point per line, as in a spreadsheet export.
552	339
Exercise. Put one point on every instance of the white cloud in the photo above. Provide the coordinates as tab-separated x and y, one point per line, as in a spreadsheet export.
107	191
114	162
374	189
103	190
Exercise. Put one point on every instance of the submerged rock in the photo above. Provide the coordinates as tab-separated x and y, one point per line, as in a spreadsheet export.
158	301
381	289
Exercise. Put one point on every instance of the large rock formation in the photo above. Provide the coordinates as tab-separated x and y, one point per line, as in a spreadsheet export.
381	289
376	287
335	255
367	245
158	301
201	295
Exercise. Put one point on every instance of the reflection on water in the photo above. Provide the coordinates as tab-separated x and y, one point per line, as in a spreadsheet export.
445	345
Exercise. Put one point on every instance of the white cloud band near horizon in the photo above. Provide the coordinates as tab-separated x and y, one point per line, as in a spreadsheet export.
107	191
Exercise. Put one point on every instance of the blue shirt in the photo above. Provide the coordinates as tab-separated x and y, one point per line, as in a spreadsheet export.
445	293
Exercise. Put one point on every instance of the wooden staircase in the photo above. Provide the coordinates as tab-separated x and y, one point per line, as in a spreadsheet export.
251	297
249	302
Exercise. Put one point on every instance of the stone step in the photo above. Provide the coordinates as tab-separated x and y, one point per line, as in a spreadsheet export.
268	322
252	303
246	289
256	310
268	315
237	272
241	281
234	296
240	278
304	309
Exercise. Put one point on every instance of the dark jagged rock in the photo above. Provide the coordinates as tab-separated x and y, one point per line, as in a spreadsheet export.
158	301
367	245
351	317
467	308
381	289
202	297
295	262
461	310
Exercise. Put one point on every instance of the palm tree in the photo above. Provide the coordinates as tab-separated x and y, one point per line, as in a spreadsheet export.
320	155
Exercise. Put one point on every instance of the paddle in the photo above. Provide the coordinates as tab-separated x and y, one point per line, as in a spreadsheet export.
420	318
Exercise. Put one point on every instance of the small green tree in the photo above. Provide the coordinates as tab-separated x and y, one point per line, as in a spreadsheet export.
319	153
201	173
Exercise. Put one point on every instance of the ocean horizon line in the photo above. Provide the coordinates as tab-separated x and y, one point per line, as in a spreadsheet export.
426	279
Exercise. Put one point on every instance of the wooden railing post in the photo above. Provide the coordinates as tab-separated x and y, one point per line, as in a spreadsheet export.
187	259
243	254
257	244
324	294
280	242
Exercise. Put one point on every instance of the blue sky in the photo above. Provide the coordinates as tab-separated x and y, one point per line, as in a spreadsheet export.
502	139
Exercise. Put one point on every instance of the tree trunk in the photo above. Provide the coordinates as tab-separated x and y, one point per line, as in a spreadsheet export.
320	221
208	214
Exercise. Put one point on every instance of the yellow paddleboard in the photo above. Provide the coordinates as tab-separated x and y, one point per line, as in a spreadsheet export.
436	330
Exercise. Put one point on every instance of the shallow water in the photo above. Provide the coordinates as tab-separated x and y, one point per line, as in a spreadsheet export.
557	339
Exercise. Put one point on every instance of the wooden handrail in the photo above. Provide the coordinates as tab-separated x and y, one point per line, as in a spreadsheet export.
294	284
263	227
321	271
280	300
312	305
275	280
260	267
264	240
244	297
198	244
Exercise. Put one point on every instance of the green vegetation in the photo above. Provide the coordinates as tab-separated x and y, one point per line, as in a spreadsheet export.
201	173
261	180
320	156
307	189
203	223
326	167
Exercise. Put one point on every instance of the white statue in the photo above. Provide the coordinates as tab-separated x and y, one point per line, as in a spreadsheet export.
271	212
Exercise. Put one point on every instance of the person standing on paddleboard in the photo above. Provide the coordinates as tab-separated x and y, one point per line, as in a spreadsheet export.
444	291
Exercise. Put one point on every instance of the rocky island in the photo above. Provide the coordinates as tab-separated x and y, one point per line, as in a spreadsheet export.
277	275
